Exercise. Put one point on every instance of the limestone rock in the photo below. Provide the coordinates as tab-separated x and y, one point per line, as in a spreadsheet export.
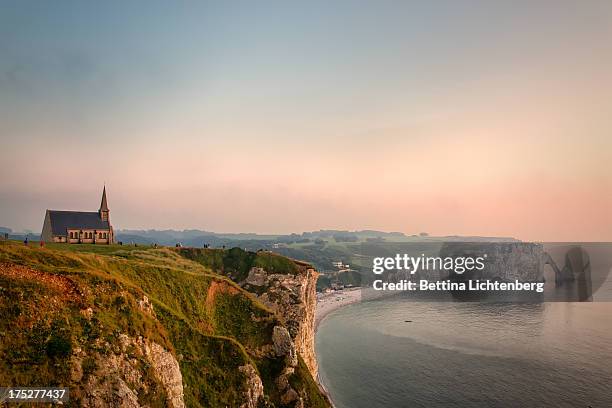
290	396
146	306
257	277
167	370
282	382
255	389
294	298
283	345
118	376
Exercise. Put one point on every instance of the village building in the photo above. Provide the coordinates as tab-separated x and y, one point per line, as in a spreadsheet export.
79	227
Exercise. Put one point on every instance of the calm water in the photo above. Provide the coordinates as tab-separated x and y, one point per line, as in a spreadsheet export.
467	354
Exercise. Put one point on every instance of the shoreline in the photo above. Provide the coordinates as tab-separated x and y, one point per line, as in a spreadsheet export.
328	302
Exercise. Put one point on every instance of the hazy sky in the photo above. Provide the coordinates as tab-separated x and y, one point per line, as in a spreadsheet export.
451	117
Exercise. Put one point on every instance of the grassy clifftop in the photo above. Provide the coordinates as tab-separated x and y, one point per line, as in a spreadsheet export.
236	263
65	307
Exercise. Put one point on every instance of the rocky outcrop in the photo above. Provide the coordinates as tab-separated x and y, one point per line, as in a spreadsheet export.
284	346
146	306
167	370
116	376
254	387
293	297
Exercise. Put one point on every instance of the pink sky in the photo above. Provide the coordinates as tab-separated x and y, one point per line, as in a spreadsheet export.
490	121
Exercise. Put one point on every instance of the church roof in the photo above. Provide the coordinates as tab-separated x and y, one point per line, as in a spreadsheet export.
103	204
61	221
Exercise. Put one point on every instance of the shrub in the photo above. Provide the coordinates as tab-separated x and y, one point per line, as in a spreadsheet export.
59	346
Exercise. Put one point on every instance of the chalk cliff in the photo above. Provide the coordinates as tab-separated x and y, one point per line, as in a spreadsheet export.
293	297
159	327
113	375
288	288
505	261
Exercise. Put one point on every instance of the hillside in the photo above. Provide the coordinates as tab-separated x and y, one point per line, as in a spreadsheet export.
136	326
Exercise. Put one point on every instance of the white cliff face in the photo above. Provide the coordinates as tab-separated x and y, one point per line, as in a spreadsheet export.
507	261
304	341
167	370
117	377
113	382
293	297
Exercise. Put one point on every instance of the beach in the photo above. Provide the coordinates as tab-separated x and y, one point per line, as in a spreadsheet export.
328	302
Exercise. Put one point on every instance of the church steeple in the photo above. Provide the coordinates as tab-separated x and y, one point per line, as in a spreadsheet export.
104	206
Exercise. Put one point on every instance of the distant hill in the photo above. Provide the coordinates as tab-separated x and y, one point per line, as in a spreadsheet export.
320	248
171	237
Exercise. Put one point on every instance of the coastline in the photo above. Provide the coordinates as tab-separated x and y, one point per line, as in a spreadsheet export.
328	302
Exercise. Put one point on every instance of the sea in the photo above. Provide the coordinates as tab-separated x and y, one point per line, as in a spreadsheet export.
397	352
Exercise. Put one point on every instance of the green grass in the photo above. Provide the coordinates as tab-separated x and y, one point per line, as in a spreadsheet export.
204	318
96	249
236	263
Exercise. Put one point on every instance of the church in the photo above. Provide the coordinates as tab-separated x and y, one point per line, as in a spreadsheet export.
79	227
